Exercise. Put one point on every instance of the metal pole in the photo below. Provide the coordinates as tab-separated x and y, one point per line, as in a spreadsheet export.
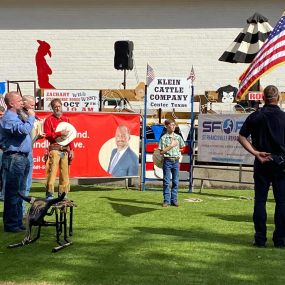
143	159
125	75
191	148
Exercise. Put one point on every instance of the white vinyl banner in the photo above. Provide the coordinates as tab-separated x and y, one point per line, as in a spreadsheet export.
217	139
73	100
169	93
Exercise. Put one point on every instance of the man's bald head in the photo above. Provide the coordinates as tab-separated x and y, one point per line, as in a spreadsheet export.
122	137
14	101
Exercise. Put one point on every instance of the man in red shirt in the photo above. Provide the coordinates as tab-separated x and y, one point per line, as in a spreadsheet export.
58	155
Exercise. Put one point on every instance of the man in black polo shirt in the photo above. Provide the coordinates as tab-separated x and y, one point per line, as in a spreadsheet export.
267	130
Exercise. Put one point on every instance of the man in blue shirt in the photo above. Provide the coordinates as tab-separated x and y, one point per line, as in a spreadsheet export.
29	103
2	110
17	144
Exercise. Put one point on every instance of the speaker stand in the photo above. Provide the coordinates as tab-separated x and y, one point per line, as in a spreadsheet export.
125	76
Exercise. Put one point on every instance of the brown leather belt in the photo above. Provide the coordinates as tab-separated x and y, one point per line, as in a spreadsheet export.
172	158
9	152
59	148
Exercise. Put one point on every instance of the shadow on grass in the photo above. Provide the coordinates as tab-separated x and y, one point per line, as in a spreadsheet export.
82	188
169	248
78	188
128	210
134	257
237	218
195	234
136	201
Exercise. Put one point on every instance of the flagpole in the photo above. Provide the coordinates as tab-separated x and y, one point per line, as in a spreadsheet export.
143	156
191	148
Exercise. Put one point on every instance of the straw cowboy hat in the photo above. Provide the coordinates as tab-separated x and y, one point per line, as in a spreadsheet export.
157	158
65	140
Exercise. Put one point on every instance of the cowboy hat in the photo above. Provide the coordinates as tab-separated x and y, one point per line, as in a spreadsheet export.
158	172
37	130
157	158
65	140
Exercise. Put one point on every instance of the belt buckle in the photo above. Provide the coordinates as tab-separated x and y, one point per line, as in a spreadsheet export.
173	159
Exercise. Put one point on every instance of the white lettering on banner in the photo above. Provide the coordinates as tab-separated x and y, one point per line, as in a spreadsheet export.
82	135
169	93
41	144
38	159
78	145
73	100
92	147
255	95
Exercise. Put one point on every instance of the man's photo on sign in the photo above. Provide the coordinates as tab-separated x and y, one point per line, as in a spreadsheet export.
123	160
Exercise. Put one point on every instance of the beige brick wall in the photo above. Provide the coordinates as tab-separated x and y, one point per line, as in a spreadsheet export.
169	35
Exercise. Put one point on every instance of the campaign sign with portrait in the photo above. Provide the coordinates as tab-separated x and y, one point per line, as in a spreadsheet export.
106	145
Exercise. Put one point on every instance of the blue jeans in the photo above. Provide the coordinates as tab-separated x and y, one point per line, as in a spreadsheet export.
264	175
29	178
16	168
1	176
170	168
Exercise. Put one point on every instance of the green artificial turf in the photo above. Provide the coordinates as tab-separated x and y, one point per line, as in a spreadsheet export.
126	237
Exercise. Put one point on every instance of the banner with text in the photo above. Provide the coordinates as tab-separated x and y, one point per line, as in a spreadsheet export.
73	100
97	141
217	139
169	93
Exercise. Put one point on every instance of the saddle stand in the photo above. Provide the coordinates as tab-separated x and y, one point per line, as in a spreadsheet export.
63	212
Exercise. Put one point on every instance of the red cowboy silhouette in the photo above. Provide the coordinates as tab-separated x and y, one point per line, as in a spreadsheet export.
43	68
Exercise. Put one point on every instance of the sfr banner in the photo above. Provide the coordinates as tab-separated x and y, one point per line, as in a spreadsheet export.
169	93
217	139
98	137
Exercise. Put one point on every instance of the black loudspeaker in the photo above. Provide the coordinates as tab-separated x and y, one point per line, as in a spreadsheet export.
124	55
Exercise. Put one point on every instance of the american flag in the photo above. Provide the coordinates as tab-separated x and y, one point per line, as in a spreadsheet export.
192	76
149	75
271	54
2	102
2	91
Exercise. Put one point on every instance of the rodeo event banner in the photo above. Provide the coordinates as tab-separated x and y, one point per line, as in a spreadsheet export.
217	139
169	93
95	145
73	100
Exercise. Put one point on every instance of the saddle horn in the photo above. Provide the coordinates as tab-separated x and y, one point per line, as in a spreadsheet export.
52	201
58	199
